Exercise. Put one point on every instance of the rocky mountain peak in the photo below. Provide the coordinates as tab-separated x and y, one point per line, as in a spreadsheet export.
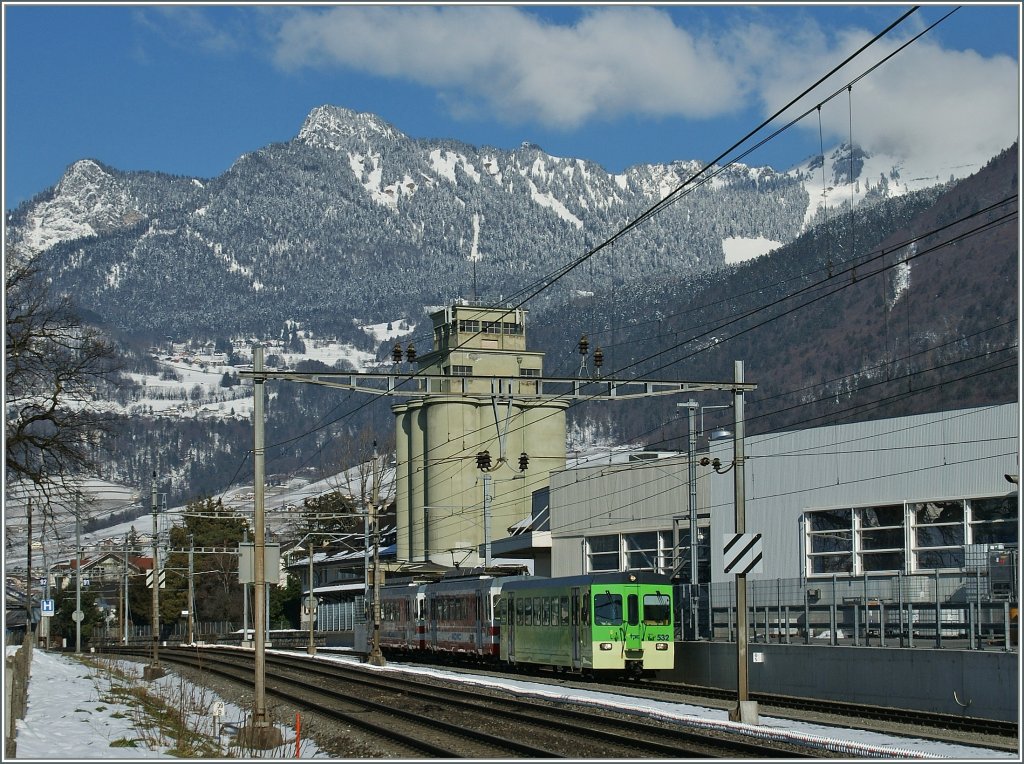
333	126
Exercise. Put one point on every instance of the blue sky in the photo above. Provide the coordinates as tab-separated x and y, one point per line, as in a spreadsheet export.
186	89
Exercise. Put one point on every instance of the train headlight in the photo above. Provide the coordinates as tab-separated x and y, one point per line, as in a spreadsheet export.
606	645
661	645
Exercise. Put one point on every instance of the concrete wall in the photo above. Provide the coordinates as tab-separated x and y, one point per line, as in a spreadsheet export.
919	679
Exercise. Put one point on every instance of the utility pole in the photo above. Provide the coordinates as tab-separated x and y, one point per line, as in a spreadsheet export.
311	601
123	600
28	571
154	670
260	733
191	593
78	615
691	467
487	521
746	709
376	656
245	598
46	619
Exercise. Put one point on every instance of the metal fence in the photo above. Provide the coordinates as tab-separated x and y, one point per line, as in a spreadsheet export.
331	616
967	610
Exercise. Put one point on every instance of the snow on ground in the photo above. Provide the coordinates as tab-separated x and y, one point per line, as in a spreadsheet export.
740	249
70	717
389	330
72	714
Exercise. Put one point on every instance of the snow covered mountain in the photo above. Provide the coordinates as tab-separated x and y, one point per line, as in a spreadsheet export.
353	219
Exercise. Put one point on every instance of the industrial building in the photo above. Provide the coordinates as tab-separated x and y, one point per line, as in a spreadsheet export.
909	494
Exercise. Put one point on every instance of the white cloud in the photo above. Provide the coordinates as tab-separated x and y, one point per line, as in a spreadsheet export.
614	61
933	106
925	103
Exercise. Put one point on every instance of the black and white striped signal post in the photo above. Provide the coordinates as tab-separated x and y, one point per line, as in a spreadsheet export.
746	709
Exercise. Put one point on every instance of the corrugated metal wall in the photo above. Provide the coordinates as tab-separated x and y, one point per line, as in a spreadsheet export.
946	455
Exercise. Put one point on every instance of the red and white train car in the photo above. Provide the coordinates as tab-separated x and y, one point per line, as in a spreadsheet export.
401	625
459	616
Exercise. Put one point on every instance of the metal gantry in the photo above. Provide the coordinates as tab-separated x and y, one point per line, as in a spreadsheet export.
494	387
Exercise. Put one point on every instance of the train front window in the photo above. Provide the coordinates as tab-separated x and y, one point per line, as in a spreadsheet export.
657	609
607	609
633	609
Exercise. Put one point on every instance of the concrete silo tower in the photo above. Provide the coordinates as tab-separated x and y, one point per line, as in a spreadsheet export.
488	401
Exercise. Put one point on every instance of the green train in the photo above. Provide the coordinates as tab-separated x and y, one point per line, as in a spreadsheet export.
599	623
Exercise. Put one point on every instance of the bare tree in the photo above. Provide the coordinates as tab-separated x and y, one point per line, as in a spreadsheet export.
53	364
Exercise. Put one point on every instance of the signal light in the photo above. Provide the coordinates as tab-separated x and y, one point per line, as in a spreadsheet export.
483	460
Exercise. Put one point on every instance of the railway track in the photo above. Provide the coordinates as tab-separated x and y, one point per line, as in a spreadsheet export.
438	718
992	733
857	711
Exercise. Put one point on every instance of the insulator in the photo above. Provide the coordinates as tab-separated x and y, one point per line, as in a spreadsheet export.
524	461
584	345
598	357
410	352
396	353
483	460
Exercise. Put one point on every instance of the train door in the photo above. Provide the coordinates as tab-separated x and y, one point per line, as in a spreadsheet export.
431	623
577	632
633	636
480	618
510	626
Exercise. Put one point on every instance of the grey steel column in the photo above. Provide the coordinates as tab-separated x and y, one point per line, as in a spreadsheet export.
259	546
155	620
311	602
746	710
78	578
691	465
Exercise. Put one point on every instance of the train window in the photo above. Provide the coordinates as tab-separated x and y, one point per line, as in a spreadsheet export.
519	611
528	611
545	618
585	614
607	609
538	608
657	609
633	609
564	608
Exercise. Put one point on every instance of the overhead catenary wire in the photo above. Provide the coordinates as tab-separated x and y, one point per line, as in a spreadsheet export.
844	284
559	274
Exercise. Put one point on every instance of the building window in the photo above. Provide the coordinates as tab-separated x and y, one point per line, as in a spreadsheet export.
881	540
917	536
994	521
470	326
938	536
509	327
529	372
603	553
681	568
492	327
641	550
462	371
830	541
